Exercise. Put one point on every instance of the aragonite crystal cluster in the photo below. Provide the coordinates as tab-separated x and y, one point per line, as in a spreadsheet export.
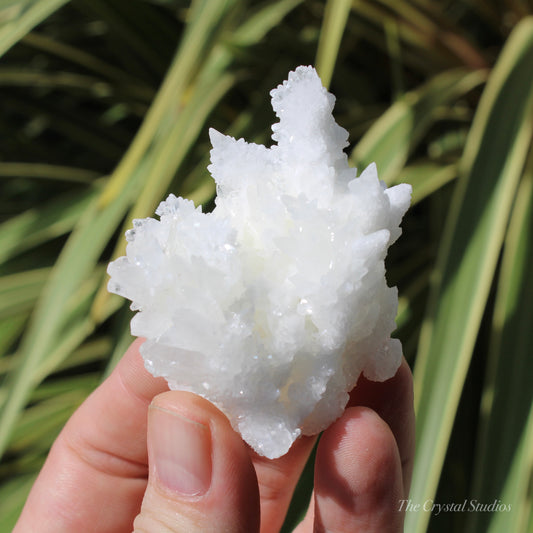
273	304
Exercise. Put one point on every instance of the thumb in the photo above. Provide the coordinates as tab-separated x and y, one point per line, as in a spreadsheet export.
201	477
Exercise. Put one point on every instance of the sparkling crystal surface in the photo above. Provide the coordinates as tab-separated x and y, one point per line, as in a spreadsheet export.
272	305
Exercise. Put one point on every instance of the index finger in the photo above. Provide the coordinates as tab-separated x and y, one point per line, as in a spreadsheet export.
96	473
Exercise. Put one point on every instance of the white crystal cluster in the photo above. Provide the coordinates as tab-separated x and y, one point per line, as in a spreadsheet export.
273	304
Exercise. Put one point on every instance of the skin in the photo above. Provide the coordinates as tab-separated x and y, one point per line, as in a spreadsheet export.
100	474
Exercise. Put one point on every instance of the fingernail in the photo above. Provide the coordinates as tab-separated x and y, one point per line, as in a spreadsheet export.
180	450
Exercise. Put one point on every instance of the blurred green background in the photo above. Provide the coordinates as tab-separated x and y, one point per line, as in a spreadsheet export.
105	107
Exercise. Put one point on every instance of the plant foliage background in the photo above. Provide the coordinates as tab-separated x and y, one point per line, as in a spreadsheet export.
104	108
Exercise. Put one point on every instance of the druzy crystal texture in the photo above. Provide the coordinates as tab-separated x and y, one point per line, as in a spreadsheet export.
273	304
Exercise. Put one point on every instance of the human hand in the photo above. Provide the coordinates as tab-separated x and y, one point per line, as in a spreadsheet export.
137	456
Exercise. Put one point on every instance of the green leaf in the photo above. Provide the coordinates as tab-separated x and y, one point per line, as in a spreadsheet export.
508	395
19	292
333	24
13	495
517	490
204	18
17	18
82	58
40	224
262	21
10	329
491	168
393	137
53	172
426	179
